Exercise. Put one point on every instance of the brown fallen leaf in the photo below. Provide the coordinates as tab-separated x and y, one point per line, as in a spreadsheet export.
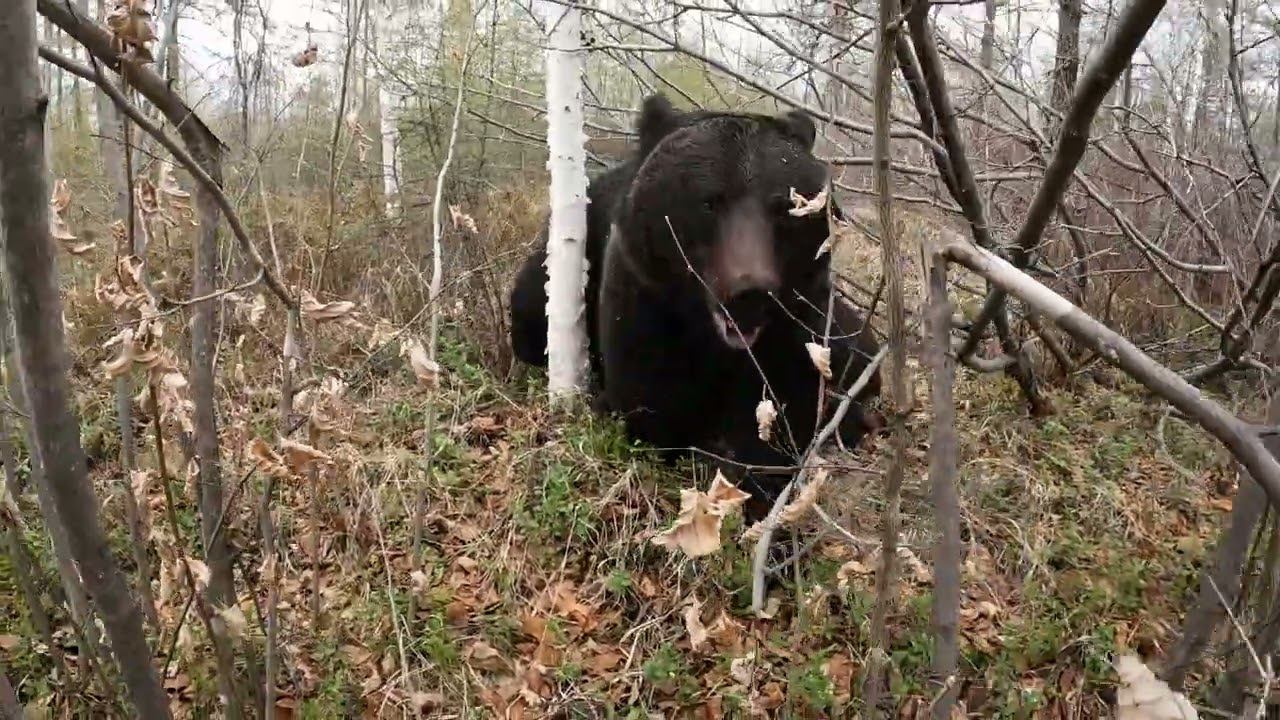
317	311
805	501
423	702
299	457
693	624
426	369
306	57
199	572
1142	696
697	529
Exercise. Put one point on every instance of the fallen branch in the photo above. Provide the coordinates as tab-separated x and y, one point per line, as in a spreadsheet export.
1241	439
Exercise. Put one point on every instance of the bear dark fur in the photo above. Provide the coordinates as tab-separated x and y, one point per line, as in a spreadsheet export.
679	372
528	300
723	180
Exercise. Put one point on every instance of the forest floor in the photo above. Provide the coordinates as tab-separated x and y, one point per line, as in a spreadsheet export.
541	594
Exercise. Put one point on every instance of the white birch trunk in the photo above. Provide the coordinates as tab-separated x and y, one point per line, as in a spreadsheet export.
388	114
566	248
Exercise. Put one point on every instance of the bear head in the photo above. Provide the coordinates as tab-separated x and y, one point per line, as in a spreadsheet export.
709	210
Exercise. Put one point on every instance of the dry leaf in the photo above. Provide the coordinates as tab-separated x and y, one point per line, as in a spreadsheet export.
320	312
463	220
825	247
839	669
484	656
605	662
693	624
58	229
1143	696
307	57
741	669
804	206
267	460
765	415
426	369
821	357
257	309
770	609
199	572
169	183
423	702
233	619
140	483
725	494
697	529
298	457
803	504
9	642
131	28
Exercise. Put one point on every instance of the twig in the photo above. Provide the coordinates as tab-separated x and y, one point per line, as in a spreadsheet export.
770	523
183	156
1102	74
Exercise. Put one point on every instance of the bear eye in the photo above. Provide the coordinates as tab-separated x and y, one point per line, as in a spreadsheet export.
712	203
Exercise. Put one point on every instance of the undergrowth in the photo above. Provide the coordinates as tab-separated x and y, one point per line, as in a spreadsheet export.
539	591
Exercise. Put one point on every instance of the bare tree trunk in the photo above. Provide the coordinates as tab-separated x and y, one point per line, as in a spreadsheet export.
1066	61
1212	63
566	246
943	454
111	145
43	357
204	321
1242	675
388	116
900	400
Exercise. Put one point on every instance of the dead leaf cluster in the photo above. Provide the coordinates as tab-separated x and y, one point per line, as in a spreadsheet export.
697	529
58	228
130	22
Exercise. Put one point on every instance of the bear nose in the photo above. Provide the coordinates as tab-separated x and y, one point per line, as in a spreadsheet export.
762	280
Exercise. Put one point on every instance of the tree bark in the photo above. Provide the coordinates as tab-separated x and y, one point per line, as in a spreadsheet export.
204	331
899	392
1066	61
37	307
1212	63
943	476
566	246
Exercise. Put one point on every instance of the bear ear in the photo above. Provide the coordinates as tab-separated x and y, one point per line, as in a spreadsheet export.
658	118
800	126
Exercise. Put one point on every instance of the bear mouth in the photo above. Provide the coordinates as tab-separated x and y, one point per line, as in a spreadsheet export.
733	335
740	319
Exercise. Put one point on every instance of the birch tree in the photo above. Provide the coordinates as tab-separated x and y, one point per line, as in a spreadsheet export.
566	246
388	108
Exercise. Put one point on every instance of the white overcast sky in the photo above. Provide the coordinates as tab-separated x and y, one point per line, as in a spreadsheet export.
206	30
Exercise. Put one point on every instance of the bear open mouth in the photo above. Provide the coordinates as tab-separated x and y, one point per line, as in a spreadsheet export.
741	318
732	335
